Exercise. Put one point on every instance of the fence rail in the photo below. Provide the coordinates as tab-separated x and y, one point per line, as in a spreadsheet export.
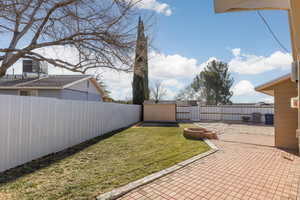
226	113
32	127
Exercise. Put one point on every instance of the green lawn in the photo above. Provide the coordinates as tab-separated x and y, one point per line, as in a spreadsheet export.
100	165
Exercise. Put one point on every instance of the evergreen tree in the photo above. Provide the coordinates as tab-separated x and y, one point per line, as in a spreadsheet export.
140	85
212	85
216	82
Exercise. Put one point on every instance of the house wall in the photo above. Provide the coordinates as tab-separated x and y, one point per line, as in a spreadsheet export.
86	89
160	112
286	118
85	86
50	93
41	93
70	94
9	92
74	95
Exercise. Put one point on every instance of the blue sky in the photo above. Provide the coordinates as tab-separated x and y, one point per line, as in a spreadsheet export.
193	30
187	34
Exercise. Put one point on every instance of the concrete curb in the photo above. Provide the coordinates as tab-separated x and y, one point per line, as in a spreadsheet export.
116	193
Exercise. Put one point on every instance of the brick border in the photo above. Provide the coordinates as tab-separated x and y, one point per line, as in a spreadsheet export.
116	193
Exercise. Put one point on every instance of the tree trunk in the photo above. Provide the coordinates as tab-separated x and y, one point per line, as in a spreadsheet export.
2	72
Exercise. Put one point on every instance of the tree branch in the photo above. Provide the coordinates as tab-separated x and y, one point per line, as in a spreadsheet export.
52	10
102	33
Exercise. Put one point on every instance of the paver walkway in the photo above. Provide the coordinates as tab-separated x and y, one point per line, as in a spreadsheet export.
248	139
237	171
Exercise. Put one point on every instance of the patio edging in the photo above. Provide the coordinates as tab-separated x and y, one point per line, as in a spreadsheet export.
116	193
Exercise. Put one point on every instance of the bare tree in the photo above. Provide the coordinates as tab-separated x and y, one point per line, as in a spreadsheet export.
158	91
101	31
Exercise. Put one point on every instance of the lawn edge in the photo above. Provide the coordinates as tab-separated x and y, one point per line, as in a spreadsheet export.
118	192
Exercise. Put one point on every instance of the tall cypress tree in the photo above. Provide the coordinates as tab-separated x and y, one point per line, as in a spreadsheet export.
140	85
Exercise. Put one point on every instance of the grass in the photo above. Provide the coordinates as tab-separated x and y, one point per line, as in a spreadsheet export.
100	165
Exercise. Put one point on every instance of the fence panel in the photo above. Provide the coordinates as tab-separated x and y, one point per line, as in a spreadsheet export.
218	113
32	127
210	113
184	113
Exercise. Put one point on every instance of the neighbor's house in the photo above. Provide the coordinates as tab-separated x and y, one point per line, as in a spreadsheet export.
70	87
286	117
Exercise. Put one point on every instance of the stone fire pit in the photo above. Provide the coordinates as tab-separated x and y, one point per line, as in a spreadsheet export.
199	133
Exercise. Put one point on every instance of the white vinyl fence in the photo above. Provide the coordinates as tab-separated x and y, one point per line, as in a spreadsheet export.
221	113
32	127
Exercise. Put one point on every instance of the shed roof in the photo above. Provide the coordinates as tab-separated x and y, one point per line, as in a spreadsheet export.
268	88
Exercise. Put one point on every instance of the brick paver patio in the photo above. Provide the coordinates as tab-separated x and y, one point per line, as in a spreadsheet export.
243	133
248	139
237	171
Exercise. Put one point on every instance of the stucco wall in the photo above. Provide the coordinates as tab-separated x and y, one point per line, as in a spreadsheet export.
67	94
50	93
70	94
8	92
286	118
85	86
160	112
84	91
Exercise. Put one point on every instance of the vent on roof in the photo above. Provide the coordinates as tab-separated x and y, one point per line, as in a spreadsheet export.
32	68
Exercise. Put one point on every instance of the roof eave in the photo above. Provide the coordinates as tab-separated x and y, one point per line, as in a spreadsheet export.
267	88
75	82
267	92
222	6
98	87
247	9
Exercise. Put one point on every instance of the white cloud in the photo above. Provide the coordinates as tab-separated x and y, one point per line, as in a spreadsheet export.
154	5
243	87
267	100
175	71
253	64
236	52
118	83
68	54
203	65
172	83
162	66
172	70
170	94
